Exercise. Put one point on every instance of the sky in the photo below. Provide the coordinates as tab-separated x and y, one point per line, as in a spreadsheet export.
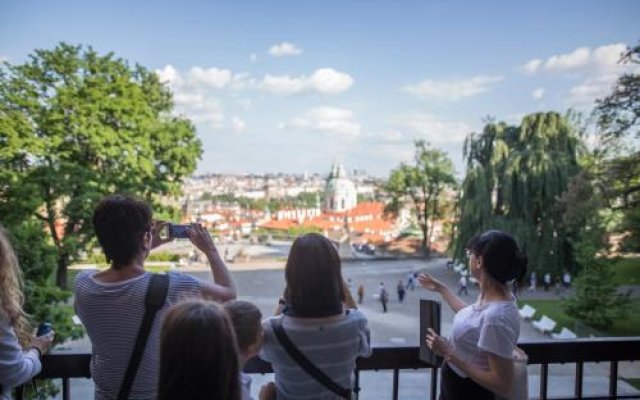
293	86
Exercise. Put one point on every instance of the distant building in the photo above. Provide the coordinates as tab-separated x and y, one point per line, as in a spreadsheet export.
340	193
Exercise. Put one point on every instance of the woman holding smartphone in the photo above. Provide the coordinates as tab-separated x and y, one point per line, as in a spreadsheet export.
19	351
478	361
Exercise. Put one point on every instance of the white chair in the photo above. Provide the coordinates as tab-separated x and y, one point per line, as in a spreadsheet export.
564	334
545	324
527	312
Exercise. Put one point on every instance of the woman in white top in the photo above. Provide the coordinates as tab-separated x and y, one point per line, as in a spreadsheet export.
478	359
17	365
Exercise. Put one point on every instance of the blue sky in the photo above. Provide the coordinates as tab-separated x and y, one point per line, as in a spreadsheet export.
291	86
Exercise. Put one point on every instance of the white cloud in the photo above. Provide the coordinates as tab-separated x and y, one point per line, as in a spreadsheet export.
584	94
214	78
328	80
284	49
323	80
391	136
604	58
532	66
435	130
283	84
238	124
326	119
538	93
253	58
453	90
169	75
577	58
192	93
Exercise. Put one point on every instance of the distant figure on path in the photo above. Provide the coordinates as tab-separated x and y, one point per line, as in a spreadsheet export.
360	293
384	297
533	281
463	285
566	279
411	281
547	281
401	291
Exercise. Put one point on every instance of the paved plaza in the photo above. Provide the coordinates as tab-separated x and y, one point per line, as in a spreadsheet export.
398	327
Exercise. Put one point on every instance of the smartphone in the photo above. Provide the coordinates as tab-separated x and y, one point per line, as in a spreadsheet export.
44	329
178	231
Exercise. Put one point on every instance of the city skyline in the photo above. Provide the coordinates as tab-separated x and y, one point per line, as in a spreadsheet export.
292	87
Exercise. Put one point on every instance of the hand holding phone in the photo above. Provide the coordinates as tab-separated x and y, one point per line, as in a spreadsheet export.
178	231
44	329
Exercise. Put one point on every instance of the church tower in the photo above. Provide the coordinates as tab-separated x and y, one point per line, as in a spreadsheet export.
340	193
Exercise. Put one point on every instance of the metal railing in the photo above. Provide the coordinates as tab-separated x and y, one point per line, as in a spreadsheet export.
578	352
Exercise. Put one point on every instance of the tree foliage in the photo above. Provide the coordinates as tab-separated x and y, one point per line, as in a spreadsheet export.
595	298
76	125
618	157
425	184
515	176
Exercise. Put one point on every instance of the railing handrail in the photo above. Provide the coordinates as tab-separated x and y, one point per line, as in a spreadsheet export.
76	365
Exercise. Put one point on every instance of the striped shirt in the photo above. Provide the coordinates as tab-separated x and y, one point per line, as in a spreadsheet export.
112	314
332	345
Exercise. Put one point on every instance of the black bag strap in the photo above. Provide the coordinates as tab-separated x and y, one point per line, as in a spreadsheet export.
303	361
154	300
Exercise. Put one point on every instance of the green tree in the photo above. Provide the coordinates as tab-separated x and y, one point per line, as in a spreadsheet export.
618	157
76	125
426	184
515	175
595	299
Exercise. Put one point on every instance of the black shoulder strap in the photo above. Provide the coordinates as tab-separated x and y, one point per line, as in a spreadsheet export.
303	361
154	300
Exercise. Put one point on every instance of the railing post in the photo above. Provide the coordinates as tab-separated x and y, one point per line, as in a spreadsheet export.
356	384
434	383
613	380
544	372
396	377
579	374
20	392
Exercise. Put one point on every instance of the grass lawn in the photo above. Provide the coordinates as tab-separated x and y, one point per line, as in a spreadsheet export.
629	326
635	382
627	271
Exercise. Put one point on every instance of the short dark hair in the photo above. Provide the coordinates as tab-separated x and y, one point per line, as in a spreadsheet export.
198	353
120	223
500	256
314	277
246	319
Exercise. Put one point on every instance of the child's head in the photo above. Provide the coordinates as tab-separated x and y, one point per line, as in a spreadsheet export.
198	353
247	322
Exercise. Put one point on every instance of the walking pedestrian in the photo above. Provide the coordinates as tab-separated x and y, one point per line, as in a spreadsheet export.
401	291
546	281
533	281
384	297
411	281
360	293
463	285
566	279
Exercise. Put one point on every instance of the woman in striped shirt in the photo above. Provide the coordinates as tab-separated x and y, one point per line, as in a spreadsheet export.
320	317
